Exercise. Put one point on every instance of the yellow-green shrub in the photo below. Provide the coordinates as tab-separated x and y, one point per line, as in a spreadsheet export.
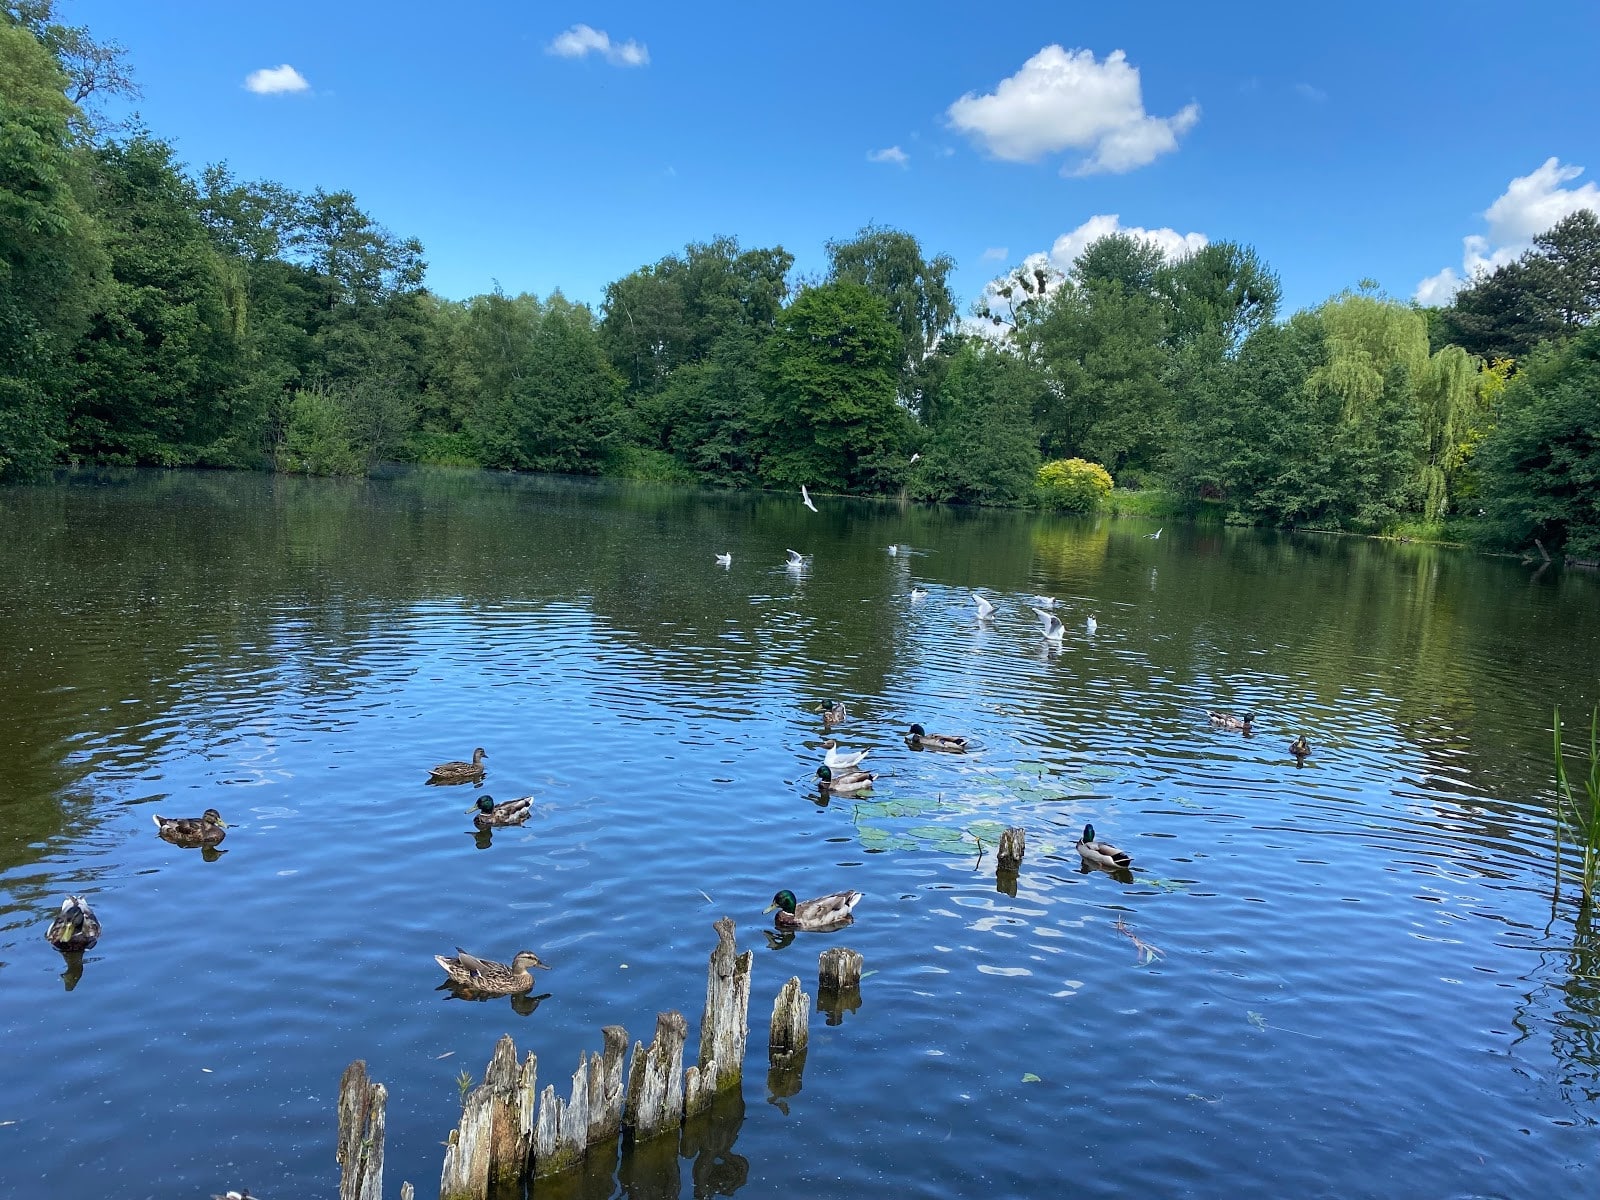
1073	484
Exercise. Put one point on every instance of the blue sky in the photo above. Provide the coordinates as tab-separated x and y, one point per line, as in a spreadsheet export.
564	144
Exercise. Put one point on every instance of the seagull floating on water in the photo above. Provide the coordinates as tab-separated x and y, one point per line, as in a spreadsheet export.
805	498
919	593
1046	601
724	560
838	760
796	559
1092	624
893	550
1053	628
985	609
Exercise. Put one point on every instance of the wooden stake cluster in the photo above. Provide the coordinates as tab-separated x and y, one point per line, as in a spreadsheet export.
510	1133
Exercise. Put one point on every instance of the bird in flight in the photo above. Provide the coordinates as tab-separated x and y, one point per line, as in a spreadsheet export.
805	497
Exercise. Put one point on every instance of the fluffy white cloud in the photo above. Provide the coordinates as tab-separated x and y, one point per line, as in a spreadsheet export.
1530	204
583	40
272	81
1067	100
1058	260
891	154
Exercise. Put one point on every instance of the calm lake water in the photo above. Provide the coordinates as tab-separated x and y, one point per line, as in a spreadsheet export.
1356	983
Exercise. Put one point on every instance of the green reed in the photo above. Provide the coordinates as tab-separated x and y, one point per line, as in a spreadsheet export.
1580	815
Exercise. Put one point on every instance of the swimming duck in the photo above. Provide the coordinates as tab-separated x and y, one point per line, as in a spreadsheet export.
1230	722
205	830
458	771
985	609
845	782
838	759
1101	854
1053	628
833	712
75	927
486	813
918	736
481	975
823	913
1300	748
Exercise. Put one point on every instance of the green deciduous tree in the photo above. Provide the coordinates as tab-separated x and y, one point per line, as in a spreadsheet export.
1539	470
829	417
981	448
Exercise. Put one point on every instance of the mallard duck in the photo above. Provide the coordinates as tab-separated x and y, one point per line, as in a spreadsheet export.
205	830
725	560
838	759
833	712
845	782
1101	854
1300	748
480	975
75	927
486	813
458	771
1053	628
918	736
823	913
985	609
1231	722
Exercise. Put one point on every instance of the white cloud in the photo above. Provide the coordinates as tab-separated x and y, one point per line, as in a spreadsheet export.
1311	92
1530	204
273	81
995	254
1066	100
583	40
892	154
1057	262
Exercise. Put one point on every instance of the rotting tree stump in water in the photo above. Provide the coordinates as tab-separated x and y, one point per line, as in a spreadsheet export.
654	1103
1013	843
488	1151
838	982
725	1027
360	1154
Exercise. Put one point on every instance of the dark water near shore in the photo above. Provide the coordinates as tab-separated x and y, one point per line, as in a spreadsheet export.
1357	986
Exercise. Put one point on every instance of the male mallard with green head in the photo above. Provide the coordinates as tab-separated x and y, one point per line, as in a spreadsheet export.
458	771
475	974
833	712
75	927
819	915
918	736
488	814
846	781
1101	854
205	830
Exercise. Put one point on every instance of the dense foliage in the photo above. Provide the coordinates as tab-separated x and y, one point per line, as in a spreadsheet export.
151	315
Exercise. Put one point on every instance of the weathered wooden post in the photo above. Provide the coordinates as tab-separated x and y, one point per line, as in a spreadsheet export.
725	1027
565	1133
838	982
1013	843
489	1150
360	1153
786	1043
654	1103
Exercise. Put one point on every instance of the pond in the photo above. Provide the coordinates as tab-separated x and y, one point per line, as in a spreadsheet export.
1343	978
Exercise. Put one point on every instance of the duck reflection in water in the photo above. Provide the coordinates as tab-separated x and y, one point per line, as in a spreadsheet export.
777	939
522	1005
74	971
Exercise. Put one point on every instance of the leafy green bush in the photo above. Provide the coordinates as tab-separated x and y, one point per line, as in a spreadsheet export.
1073	484
317	439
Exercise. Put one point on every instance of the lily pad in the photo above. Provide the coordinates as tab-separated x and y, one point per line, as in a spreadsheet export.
1030	1077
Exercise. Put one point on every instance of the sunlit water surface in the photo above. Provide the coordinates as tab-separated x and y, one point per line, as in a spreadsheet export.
1346	979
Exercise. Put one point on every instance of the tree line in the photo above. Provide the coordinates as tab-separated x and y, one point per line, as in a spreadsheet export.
152	315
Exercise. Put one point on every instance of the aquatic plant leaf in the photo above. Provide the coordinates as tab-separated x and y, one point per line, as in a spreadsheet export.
1030	1077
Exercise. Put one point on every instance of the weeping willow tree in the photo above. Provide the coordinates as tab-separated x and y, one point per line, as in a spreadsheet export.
1447	403
1376	356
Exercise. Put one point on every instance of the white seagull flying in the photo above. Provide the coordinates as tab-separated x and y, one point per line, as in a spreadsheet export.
805	498
985	609
1053	628
724	560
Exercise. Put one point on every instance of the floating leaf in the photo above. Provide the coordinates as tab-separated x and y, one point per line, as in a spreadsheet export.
1256	1019
1030	1077
1166	885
